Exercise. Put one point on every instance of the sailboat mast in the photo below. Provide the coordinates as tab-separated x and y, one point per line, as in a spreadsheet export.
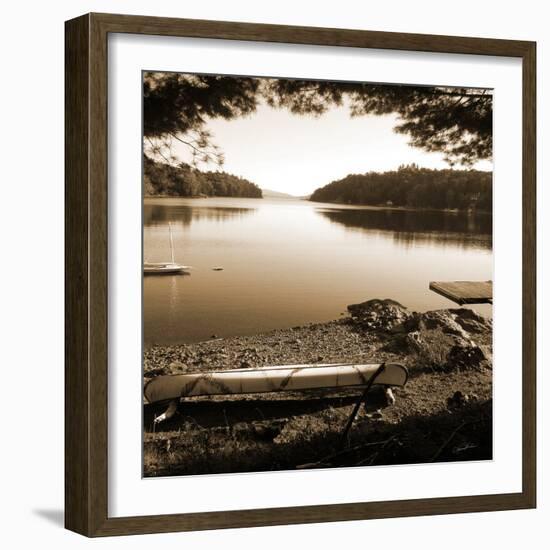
171	243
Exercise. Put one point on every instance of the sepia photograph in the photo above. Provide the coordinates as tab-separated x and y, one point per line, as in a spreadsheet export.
317	274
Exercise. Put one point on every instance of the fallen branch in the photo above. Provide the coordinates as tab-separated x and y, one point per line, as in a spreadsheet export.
374	456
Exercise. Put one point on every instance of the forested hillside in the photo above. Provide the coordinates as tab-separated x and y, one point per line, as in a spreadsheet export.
186	181
411	186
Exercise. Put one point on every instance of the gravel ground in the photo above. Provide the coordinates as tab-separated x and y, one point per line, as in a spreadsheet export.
443	413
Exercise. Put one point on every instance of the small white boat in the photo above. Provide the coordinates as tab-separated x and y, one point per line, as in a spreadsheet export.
151	268
160	268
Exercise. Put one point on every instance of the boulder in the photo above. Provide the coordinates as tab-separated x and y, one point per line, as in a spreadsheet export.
465	356
442	319
458	322
379	314
471	321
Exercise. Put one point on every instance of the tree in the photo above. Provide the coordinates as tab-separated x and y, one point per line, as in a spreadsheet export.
455	121
410	186
186	181
177	107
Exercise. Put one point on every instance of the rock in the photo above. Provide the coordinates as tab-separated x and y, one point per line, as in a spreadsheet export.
442	319
402	344
465	356
457	400
177	366
398	329
471	321
378	314
456	322
414	341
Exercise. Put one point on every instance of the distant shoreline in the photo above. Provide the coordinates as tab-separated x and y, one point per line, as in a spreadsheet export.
343	204
197	197
405	208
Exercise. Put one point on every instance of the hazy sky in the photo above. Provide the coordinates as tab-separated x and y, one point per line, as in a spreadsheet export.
295	154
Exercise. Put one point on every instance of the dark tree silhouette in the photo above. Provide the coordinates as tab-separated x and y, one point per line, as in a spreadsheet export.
185	181
178	106
414	187
454	121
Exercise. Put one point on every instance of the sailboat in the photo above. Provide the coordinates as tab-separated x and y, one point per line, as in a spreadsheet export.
161	268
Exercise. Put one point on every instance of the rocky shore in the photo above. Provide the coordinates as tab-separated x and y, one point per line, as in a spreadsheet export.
444	413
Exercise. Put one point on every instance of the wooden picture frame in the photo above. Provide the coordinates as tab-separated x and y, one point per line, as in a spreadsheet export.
86	224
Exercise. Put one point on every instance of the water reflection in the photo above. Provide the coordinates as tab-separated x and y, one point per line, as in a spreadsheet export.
293	262
408	228
160	214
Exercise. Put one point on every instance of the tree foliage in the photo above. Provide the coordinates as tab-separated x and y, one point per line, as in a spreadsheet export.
410	186
186	181
176	107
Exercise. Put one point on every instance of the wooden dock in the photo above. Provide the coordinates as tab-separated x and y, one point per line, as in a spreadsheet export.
465	292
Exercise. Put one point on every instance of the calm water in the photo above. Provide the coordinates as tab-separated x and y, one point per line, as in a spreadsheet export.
291	262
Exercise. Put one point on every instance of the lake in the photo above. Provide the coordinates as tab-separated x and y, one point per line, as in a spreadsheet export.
291	262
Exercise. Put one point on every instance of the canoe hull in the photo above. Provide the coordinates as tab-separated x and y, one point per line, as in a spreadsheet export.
271	379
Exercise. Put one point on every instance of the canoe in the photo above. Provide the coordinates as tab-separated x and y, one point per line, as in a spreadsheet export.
271	379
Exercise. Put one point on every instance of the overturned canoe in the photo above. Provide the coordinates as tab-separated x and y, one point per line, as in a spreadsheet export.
272	379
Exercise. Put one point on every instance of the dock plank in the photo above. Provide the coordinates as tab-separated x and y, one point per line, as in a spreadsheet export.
465	292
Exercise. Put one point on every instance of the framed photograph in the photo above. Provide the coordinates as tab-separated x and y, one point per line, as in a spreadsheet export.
300	275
